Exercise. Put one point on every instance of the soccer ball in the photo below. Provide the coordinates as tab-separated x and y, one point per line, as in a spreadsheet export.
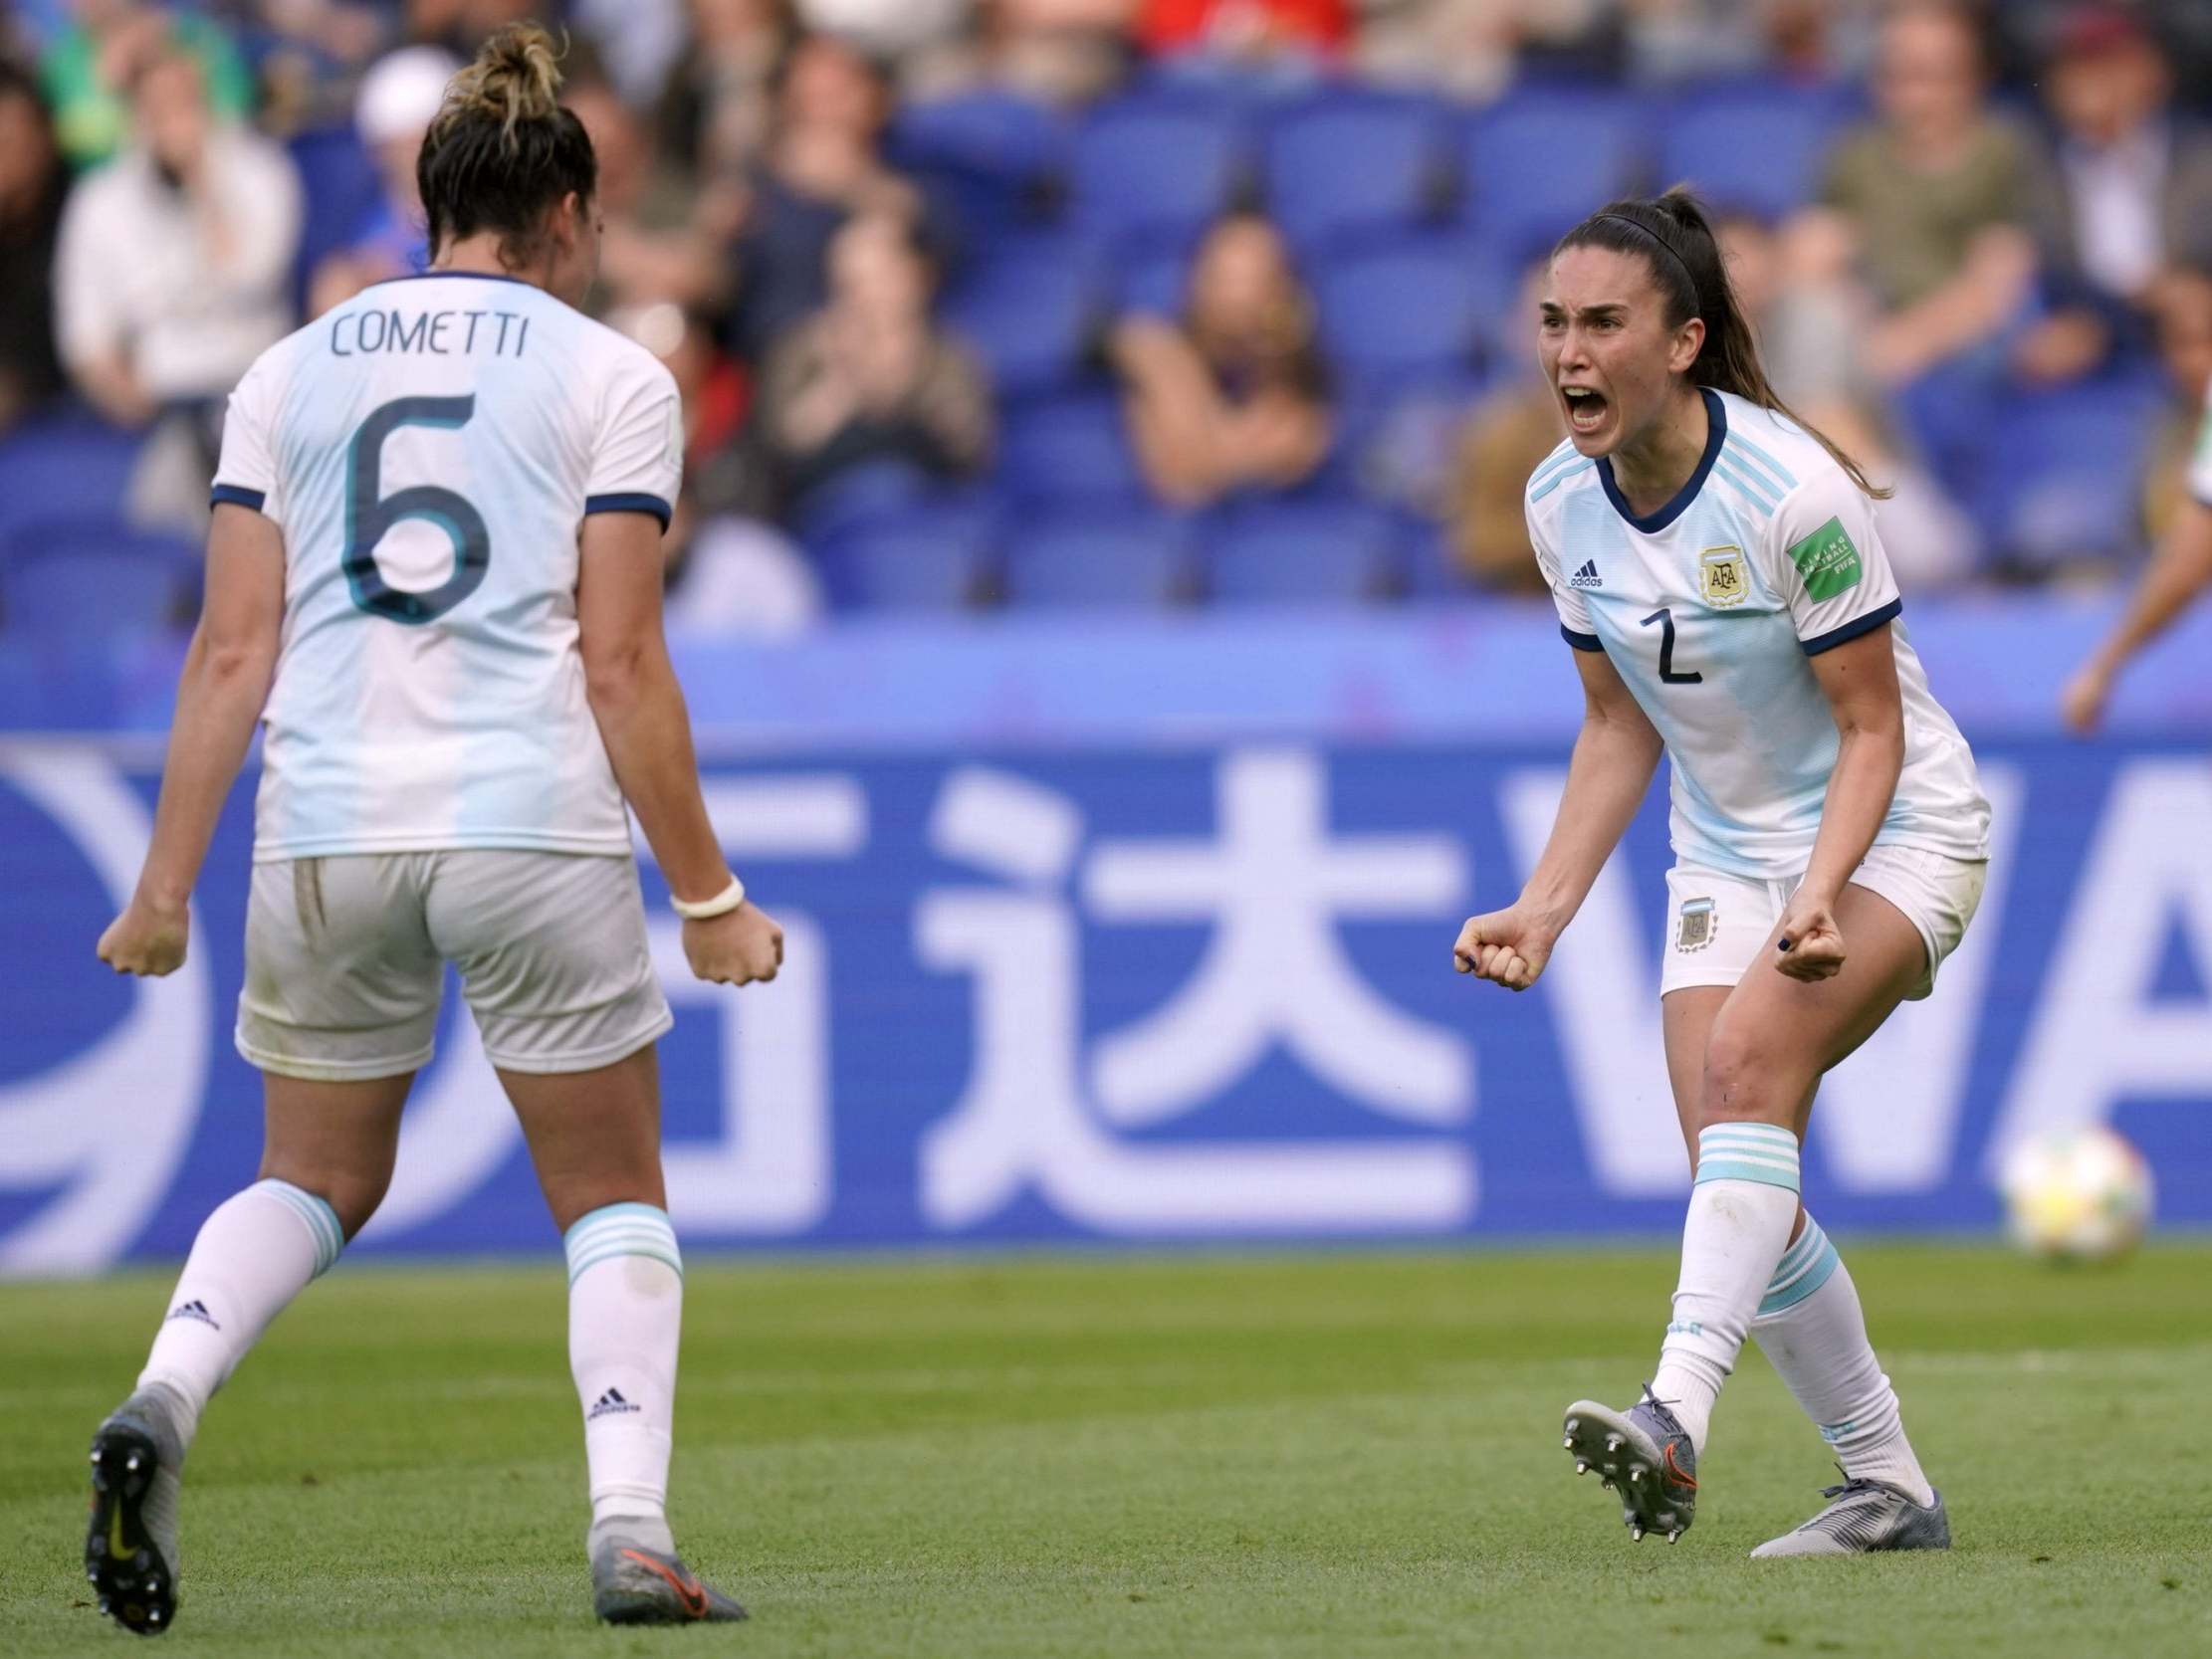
2077	1195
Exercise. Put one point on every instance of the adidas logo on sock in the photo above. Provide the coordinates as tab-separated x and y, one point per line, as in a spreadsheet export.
1587	576
195	1309
607	1404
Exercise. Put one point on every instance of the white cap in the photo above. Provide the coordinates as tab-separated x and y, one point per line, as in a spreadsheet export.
400	93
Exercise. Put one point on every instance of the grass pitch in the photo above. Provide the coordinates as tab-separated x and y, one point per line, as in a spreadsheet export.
1281	1456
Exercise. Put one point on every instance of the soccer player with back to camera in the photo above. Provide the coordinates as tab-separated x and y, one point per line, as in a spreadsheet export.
1717	569
434	578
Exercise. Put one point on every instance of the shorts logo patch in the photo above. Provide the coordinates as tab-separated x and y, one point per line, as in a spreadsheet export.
1828	560
1721	577
1696	930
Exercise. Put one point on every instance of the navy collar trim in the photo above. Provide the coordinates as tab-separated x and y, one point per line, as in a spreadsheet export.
473	275
1717	434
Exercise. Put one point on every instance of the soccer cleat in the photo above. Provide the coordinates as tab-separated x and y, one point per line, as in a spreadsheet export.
631	1585
1644	1454
1862	1516
131	1543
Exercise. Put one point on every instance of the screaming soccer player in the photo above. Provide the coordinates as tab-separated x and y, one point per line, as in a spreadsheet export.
1717	571
434	577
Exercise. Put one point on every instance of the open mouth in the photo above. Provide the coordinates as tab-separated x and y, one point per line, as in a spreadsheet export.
1586	408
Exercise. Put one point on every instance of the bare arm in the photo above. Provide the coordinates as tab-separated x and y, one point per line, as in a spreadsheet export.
639	708
227	673
1859	681
2181	571
1615	753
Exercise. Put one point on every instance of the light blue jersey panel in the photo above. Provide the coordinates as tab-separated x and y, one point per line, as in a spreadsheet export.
1713	609
430	451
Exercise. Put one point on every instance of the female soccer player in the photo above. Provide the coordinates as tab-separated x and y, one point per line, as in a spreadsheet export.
1716	568
434	578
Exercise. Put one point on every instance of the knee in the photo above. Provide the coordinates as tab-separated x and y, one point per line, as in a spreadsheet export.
351	1194
1747	1077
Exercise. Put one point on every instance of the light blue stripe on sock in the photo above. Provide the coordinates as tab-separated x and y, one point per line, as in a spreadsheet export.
1790	1285
321	1220
1762	1153
627	1229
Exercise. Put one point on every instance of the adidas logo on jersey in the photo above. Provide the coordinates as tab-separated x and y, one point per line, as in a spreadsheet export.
608	1404
195	1309
1587	576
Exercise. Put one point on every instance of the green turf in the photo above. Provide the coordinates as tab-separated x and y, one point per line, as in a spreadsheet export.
1313	1456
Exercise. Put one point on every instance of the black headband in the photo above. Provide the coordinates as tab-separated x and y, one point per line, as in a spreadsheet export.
1664	247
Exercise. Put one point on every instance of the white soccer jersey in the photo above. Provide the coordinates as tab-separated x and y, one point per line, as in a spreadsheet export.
1711	609
429	450
2201	463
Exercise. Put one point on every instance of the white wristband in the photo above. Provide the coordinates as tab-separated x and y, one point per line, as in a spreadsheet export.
721	904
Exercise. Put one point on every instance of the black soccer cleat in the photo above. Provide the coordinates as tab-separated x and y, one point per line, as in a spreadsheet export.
633	1583
129	1552
1644	1455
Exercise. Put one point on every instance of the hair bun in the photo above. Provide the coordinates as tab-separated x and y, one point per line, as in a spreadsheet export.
515	77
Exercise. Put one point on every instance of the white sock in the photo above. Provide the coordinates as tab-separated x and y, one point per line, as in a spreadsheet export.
1740	1214
625	1313
260	1249
1814	1333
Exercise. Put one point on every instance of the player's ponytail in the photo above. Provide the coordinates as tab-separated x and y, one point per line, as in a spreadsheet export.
502	150
1672	236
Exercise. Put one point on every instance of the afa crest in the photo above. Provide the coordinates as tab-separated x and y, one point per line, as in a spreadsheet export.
1722	579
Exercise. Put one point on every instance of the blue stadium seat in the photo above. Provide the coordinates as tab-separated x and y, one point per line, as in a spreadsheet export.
929	558
1748	144
70	457
337	188
1542	157
1345	161
1155	163
861	497
1152	277
1069	449
1002	156
1030	312
1134	557
2065	472
91	578
1300	552
1410	305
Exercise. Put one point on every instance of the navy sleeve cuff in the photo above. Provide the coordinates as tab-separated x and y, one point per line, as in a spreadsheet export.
237	495
1581	642
635	502
1853	629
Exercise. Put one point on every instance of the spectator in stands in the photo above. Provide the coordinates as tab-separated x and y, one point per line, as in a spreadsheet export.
89	66
717	109
2128	192
392	110
825	164
32	185
871	378
1233	396
1250	37
1927	206
659	240
176	259
1061	53
1503	442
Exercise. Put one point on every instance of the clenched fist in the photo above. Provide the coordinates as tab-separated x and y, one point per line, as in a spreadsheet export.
736	948
1509	947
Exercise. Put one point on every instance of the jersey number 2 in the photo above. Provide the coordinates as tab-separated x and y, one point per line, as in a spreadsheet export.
1665	620
370	516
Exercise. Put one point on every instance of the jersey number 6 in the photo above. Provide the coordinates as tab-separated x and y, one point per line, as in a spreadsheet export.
1665	620
369	516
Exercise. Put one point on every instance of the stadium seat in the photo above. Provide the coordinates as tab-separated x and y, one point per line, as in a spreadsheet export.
1001	156
1542	157
1030	312
337	188
1299	552
2066	473
1154	277
1748	144
68	457
927	558
1134	557
1410	305
1344	163
90	578
1069	449
1155	164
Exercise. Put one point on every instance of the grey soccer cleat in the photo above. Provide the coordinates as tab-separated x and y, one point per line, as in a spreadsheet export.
634	1585
1646	1455
131	1541
1862	1516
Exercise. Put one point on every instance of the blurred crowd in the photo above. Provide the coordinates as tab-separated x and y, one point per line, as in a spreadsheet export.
1123	302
